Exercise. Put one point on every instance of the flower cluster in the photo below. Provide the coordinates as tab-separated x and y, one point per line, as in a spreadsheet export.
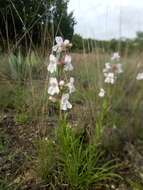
60	87
112	69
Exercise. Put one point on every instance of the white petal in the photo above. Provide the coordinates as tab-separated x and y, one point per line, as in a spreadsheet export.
139	76
61	83
59	40
53	86
51	91
69	106
65	104
107	66
52	58
102	93
115	56
67	59
52	68
71	80
57	90
68	67
66	42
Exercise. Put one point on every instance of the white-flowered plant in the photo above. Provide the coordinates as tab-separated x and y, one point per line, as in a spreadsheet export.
112	69
139	76
61	85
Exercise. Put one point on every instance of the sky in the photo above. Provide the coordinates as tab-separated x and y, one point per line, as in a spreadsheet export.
107	19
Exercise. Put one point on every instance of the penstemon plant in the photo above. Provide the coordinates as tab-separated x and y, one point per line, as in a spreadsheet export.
111	71
61	84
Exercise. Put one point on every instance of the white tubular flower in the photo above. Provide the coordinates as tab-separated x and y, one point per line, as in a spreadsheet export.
71	86
53	87
65	104
59	40
101	93
110	78
107	68
52	67
61	83
66	42
139	76
68	66
119	68
115	56
68	59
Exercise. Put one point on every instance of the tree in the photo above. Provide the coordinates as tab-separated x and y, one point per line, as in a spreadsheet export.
35	21
139	41
63	20
77	42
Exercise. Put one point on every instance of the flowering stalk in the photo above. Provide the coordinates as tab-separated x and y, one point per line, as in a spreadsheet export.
111	71
60	84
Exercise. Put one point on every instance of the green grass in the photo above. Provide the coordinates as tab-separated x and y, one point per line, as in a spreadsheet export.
71	162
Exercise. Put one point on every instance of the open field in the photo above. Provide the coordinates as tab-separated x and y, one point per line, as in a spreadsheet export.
98	144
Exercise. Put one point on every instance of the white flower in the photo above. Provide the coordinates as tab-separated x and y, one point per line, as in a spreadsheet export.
139	76
115	56
61	44
65	104
52	67
101	93
66	42
53	86
59	40
119	68
110	78
68	59
107	68
71	86
68	66
61	83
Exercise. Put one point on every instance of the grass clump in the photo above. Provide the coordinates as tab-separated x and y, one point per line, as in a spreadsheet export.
72	163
